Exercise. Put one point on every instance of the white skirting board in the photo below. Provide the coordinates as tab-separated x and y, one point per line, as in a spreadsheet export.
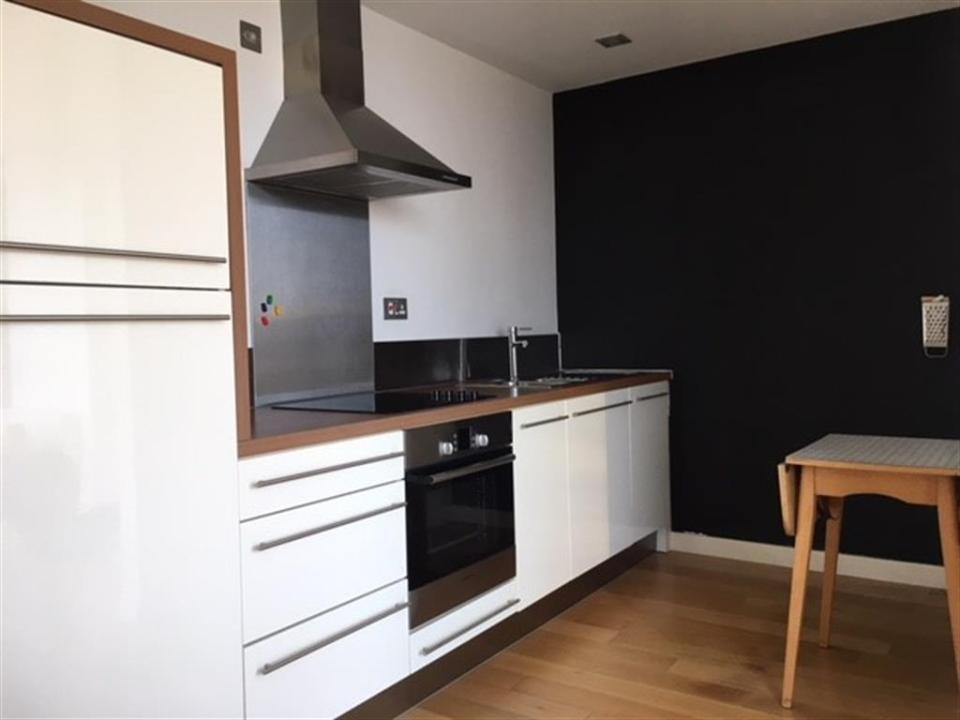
851	565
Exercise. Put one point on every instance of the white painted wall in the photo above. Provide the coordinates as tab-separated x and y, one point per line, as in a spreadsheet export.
471	262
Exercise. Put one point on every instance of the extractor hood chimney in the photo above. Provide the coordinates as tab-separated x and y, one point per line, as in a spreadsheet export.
324	138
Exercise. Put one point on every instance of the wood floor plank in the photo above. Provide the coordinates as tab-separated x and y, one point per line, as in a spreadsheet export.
683	636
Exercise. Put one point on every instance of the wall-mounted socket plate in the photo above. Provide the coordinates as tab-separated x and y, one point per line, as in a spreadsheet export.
395	308
250	36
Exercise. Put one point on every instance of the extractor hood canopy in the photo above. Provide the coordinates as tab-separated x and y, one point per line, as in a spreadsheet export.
324	138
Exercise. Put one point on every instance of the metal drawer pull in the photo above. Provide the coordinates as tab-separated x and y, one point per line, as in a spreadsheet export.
430	649
108	318
651	397
447	475
269	667
558	418
266	545
118	252
601	409
324	470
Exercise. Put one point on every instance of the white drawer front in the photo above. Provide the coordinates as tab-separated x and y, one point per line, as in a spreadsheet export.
324	667
282	480
302	562
452	630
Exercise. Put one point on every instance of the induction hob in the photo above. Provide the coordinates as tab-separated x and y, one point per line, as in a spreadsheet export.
385	402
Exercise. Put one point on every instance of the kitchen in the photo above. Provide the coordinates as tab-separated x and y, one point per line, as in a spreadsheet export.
483	361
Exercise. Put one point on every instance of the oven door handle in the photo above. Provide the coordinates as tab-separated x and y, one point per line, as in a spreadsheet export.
447	475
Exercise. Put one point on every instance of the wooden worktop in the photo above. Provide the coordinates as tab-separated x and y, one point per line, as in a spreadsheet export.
275	430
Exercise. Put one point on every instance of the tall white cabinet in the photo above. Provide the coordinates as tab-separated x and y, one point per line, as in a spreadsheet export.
120	556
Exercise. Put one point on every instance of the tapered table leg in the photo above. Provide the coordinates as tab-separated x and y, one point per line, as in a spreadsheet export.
798	586
831	556
950	541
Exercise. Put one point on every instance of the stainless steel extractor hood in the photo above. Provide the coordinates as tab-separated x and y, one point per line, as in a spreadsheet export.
324	139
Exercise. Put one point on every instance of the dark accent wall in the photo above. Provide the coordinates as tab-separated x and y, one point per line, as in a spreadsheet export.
765	224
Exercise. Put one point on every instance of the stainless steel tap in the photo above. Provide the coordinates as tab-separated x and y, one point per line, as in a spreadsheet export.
514	343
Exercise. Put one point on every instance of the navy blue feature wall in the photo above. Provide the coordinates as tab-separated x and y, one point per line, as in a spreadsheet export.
766	224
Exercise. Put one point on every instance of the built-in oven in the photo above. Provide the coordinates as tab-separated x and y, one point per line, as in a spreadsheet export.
460	528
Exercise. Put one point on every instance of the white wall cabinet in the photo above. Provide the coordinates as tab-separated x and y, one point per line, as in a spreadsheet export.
601	496
121	566
541	499
110	144
650	460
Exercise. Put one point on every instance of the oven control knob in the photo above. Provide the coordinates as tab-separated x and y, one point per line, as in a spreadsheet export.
480	440
446	447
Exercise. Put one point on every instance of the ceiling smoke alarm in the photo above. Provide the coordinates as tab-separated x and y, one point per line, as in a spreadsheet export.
610	41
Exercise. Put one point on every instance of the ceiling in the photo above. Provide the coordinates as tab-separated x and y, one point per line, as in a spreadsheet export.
550	43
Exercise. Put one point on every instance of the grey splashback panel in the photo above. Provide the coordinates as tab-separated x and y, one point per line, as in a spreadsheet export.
309	260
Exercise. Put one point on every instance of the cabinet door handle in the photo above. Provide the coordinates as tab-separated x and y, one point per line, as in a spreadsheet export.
601	409
538	423
108	318
270	667
329	469
430	649
267	544
116	252
651	397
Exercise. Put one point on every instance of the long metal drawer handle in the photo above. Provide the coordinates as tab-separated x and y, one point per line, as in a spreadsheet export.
448	475
601	409
538	423
108	318
651	397
267	544
324	470
118	252
430	649
269	667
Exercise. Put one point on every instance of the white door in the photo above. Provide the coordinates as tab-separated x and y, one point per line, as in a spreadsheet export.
650	457
542	500
109	143
600	484
623	517
120	553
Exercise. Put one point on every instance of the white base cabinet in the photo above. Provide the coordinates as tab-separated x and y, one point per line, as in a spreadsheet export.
323	667
592	478
432	641
323	545
541	499
601	495
650	458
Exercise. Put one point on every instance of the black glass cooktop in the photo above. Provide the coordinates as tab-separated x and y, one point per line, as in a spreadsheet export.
387	401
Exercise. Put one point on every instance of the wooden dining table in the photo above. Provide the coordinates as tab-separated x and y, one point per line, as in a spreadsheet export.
817	479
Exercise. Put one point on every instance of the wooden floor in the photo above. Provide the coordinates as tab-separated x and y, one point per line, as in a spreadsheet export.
688	636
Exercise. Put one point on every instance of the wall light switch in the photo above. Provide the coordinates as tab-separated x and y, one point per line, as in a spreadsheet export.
395	308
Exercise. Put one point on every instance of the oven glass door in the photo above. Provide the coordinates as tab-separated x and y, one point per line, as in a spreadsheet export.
458	516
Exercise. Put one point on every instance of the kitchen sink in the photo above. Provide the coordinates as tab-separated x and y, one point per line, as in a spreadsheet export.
540	383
